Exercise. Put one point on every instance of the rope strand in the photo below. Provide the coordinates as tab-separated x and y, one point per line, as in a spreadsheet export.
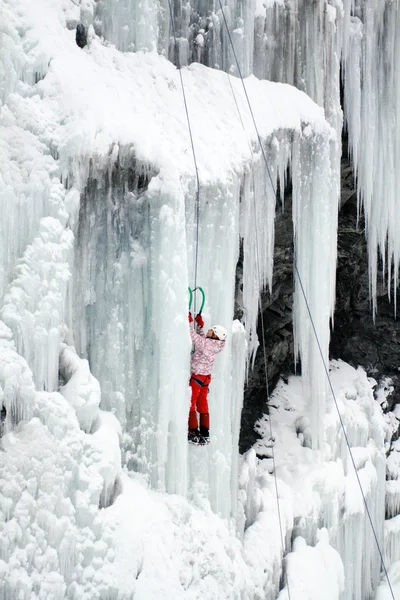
258	270
197	200
311	320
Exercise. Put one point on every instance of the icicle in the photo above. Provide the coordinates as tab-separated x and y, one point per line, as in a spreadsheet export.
257	227
315	209
130	25
35	302
372	102
239	353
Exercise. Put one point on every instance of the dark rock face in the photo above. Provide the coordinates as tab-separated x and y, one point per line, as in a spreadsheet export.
277	319
355	337
81	35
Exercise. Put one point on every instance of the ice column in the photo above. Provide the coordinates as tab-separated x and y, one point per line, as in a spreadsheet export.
134	26
363	424
372	103
210	474
130	311
257	226
34	304
315	209
239	353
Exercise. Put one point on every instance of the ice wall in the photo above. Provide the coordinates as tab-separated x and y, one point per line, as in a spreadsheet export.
132	26
300	44
116	132
311	45
130	281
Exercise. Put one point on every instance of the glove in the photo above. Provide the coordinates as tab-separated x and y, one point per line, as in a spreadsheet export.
190	318
199	321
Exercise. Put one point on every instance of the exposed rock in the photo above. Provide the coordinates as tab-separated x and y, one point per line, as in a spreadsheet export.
356	338
81	37
277	318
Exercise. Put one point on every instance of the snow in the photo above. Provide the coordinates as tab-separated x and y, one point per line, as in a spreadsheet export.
149	543
81	389
305	561
325	491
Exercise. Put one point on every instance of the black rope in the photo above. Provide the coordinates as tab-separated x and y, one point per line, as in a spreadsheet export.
344	433
248	100
311	320
197	201
264	349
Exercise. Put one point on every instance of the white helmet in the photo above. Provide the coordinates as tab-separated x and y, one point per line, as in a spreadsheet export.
220	332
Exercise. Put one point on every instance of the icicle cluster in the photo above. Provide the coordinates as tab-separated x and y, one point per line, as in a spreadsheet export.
34	306
372	109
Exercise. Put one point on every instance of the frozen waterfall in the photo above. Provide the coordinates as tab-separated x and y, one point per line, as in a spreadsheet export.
101	496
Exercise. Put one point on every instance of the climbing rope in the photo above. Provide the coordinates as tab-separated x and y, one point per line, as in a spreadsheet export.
258	269
197	200
311	320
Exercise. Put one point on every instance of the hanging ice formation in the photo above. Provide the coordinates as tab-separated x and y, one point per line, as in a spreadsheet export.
372	109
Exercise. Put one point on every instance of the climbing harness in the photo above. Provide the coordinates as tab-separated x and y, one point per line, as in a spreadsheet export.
199	382
313	327
192	295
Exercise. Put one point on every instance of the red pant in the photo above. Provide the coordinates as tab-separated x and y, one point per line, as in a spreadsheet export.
199	400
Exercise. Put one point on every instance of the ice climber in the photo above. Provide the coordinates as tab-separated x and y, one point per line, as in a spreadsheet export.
206	348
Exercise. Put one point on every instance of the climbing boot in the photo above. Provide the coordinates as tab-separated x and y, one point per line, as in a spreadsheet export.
194	436
204	435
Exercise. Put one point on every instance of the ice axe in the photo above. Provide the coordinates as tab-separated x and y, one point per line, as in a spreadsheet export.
191	298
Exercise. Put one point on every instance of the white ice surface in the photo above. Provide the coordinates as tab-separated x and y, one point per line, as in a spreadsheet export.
56	541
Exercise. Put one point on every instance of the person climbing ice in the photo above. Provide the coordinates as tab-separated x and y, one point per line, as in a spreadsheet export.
206	348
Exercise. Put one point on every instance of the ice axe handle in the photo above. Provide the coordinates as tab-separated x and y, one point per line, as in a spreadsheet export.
190	297
203	298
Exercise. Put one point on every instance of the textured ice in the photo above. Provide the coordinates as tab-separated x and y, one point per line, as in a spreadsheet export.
16	385
304	562
80	388
137	193
34	305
